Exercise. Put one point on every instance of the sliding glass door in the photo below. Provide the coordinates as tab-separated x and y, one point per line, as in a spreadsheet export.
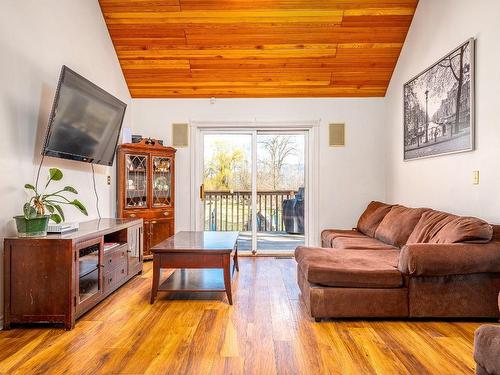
226	192
254	182
280	191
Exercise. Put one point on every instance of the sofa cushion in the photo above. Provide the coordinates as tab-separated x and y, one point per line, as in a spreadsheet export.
464	229
370	219
360	243
429	225
328	235
349	268
487	348
434	259
398	224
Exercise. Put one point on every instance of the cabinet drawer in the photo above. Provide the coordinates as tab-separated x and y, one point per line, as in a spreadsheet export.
135	215
157	213
114	258
167	213
115	277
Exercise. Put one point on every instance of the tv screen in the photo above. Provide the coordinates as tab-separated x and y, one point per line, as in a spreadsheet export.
85	121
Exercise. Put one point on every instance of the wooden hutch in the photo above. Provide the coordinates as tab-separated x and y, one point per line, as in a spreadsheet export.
145	188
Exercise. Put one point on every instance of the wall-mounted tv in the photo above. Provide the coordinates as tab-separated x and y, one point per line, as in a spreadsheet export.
85	121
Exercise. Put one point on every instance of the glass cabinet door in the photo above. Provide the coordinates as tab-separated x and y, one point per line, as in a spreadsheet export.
134	251
162	181
88	272
136	182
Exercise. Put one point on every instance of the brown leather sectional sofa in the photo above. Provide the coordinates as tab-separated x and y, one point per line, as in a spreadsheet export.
403	262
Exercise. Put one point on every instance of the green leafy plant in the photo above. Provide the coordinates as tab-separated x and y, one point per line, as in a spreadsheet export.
42	203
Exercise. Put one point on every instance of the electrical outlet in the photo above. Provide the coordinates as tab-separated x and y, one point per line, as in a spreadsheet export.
109	180
475	177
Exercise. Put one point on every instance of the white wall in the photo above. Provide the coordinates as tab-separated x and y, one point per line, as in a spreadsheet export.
445	182
36	39
349	177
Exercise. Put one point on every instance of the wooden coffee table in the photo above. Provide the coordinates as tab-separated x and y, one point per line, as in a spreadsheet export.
196	256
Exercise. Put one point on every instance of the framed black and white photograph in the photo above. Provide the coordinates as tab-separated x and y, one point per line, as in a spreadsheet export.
439	106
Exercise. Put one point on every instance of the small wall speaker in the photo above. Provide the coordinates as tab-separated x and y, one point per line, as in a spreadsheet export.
180	135
337	135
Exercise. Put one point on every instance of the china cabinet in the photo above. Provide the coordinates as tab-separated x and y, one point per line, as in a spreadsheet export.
146	188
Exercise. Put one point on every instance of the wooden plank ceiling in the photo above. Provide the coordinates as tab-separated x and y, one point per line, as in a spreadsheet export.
257	48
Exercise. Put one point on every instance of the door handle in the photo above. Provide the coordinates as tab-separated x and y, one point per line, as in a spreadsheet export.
202	192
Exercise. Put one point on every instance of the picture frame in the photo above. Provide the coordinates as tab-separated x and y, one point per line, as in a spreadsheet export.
435	122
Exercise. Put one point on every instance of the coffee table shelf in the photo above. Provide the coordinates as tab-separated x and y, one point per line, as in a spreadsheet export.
194	280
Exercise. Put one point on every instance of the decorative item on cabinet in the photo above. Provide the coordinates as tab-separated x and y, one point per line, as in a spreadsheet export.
146	188
43	206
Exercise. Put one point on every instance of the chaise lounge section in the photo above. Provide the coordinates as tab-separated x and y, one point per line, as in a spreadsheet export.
402	262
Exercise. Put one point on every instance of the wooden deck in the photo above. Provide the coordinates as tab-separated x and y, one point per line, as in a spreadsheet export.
271	241
267	331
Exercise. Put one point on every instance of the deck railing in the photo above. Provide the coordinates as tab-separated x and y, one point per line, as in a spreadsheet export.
225	210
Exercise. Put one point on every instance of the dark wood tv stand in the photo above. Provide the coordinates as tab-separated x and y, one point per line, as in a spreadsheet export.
58	278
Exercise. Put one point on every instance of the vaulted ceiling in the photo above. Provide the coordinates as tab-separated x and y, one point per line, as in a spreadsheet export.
257	48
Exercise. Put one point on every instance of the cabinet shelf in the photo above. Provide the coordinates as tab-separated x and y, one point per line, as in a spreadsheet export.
132	194
87	271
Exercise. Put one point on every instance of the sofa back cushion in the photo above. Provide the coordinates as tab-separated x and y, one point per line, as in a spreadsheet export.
398	224
464	229
370	219
429	226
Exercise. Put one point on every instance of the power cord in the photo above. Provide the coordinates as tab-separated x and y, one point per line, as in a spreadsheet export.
93	180
95	192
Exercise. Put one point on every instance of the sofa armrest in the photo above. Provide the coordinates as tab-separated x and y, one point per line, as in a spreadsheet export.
487	347
449	259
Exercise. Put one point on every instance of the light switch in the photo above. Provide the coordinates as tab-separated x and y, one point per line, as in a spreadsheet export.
475	177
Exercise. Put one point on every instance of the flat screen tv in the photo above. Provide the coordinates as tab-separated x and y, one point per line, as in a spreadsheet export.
85	121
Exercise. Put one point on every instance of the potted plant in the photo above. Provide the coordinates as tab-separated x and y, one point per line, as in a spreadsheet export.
43	206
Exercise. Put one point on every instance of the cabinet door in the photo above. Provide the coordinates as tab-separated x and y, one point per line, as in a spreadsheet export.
134	249
88	266
136	181
161	181
160	230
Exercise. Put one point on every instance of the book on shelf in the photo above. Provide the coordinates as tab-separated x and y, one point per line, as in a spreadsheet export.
110	245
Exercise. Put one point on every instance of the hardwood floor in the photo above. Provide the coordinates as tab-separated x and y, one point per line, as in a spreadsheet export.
267	331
